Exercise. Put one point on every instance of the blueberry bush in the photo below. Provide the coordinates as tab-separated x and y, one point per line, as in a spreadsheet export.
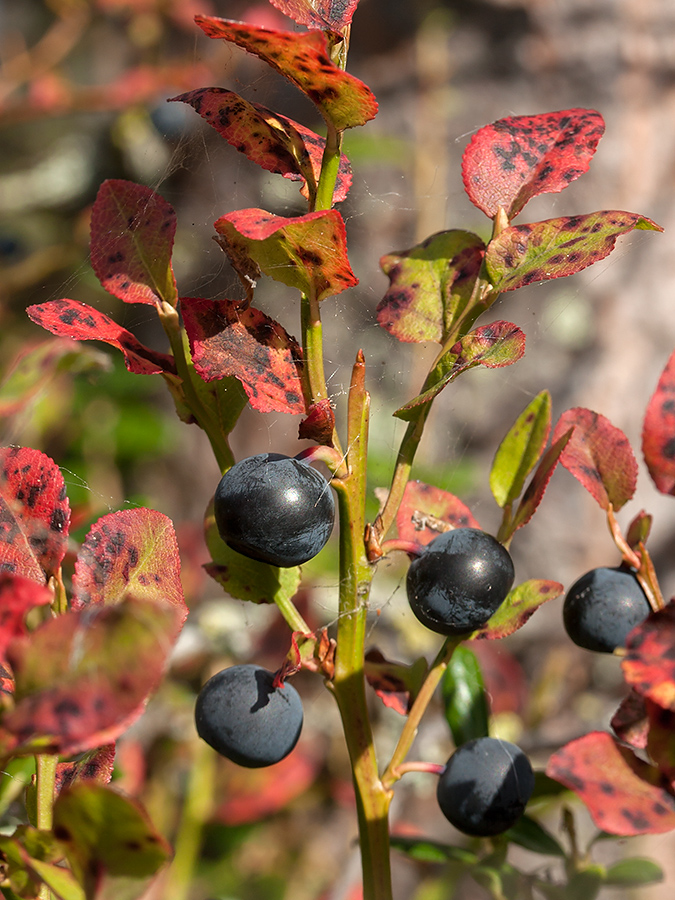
86	633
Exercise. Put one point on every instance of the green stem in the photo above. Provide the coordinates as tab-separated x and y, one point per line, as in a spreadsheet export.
44	820
291	615
330	164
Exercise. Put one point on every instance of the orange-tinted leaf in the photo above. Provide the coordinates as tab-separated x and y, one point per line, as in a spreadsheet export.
623	794
519	605
307	252
427	511
342	100
331	15
132	231
536	489
81	322
517	158
598	455
649	663
274	142
97	765
658	431
555	248
319	424
396	684
34	514
245	343
430	285
18	596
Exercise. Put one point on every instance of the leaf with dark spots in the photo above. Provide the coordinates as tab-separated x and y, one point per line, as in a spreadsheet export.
520	450
430	285
658	431
34	514
226	340
130	553
649	663
396	684
327	15
493	346
83	677
517	158
76	320
624	795
308	252
521	603
630	722
525	254
599	456
32	863
132	231
243	578
18	596
427	511
534	492
304	59
268	139
96	765
319	424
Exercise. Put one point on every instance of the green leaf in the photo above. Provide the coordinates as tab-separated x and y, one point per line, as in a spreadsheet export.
634	872
529	834
519	605
464	697
545	787
585	884
432	851
518	453
31	858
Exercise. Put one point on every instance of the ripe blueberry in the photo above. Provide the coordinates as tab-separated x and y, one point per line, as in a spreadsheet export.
485	786
275	509
459	581
244	717
602	607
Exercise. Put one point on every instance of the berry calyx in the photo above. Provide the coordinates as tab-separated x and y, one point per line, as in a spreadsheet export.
274	509
459	580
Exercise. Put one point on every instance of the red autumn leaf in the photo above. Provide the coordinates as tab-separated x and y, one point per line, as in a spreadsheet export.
130	553
598	455
331	15
97	765
630	722
83	677
661	739
427	511
307	252
319	424
132	231
342	100
396	684
521	603
624	795
81	322
649	663
34	514
534	492
247	344
658	431
268	139
524	254
17	597
517	158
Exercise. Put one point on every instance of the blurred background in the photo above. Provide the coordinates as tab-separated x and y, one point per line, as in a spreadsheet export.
83	90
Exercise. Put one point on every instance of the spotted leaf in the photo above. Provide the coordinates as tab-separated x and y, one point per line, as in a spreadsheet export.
308	252
34	514
624	795
76	320
304	59
96	765
493	346
396	684
274	142
649	663
331	15
555	248
658	431
430	285
519	605
226	340
598	455
427	511
132	231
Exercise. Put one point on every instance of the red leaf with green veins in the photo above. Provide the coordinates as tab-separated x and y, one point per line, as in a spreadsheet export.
493	346
304	59
536	489
72	319
519	605
599	456
83	677
396	684
624	795
308	252
658	431
274	142
130	553
331	15
34	514
18	596
245	343
649	663
132	231
555	248
517	158
430	285
427	511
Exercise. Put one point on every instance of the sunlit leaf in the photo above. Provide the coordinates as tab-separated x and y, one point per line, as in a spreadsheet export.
325	14
536	489
649	663
519	605
658	431
520	450
427	511
96	765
